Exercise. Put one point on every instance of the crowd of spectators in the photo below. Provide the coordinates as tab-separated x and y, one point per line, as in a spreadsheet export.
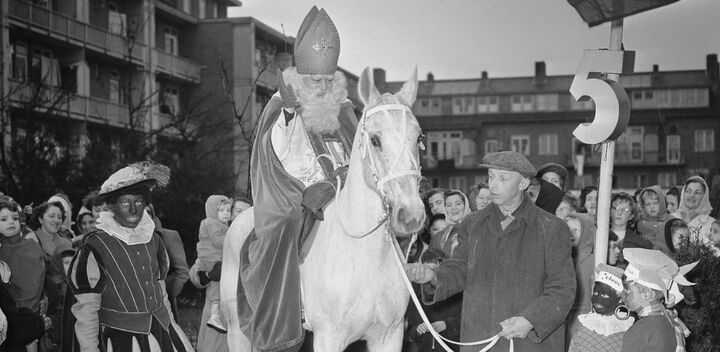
651	218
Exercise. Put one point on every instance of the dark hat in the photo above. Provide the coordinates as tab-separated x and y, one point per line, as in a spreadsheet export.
137	177
509	161
552	167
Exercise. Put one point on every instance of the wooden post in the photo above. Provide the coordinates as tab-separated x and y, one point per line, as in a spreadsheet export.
606	166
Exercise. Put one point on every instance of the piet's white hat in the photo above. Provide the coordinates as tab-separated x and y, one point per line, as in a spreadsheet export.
144	175
654	269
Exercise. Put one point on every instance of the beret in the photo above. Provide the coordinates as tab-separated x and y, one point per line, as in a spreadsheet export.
509	161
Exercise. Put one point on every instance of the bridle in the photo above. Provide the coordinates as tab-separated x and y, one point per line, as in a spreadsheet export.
365	152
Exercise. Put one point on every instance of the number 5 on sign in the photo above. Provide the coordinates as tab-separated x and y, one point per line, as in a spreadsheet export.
612	105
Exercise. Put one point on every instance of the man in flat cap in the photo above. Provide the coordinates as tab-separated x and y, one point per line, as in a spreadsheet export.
304	136
513	263
651	280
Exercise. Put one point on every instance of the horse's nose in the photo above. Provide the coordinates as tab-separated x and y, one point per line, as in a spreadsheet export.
412	218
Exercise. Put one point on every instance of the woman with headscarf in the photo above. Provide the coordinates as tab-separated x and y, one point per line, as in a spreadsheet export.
66	230
457	207
695	209
582	228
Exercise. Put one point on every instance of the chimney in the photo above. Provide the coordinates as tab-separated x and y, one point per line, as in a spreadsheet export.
656	68
484	75
430	77
379	76
540	75
711	64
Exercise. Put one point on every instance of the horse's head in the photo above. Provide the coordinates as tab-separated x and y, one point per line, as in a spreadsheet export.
390	139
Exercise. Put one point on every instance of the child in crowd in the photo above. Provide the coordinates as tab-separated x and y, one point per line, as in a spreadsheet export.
651	224
209	249
672	199
677	233
715	232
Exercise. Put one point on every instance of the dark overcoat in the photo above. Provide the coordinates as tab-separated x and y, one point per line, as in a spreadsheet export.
525	270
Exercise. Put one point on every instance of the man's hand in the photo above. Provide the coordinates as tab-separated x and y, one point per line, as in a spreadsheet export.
419	273
439	326
421	329
515	327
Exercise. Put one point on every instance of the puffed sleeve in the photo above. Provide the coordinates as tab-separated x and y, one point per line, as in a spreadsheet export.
87	282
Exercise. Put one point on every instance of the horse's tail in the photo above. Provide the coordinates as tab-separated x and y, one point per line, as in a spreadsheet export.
236	235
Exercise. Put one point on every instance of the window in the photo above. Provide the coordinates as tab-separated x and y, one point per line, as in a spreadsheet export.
672	149
491	146
522	103
201	9
171	101
639	181
457	182
186	6
463	105
116	20
19	61
114	87
487	104
44	68
629	146
213	13
520	144
667	179
444	145
547	102
704	140
428	106
548	144
171	40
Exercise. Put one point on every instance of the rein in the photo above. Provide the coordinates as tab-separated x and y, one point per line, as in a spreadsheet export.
440	339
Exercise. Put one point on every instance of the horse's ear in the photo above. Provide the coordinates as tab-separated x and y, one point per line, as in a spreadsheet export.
366	87
409	89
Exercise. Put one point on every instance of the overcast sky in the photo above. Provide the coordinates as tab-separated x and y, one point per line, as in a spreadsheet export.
461	38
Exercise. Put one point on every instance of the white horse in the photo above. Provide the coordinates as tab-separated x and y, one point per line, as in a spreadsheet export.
351	288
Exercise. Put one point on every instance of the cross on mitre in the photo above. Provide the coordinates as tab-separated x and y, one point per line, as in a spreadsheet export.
324	45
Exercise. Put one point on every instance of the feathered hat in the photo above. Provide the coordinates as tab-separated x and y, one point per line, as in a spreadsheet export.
140	176
654	269
317	44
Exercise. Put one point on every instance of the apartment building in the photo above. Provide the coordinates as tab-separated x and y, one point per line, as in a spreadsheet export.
672	133
106	66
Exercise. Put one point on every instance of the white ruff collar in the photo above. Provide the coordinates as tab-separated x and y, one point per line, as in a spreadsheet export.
605	325
141	234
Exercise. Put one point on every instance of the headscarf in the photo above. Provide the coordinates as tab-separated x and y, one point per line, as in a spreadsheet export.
67	223
212	204
662	206
704	208
450	220
549	197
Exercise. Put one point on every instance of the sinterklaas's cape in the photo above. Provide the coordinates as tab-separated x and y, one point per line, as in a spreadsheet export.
269	302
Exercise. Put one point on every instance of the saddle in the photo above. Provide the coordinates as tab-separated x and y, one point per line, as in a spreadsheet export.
316	197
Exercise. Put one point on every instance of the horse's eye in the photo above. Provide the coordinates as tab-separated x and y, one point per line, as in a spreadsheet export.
375	140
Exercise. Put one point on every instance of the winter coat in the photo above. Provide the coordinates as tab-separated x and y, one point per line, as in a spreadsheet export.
653	227
525	270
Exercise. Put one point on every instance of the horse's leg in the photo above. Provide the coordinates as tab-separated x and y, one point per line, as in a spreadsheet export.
328	341
391	340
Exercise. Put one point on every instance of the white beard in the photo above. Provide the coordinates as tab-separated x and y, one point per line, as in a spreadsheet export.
319	112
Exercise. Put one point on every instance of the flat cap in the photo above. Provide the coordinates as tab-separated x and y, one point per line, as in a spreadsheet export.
509	161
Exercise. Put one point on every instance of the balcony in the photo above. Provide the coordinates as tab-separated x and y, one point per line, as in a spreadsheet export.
627	159
65	103
171	8
68	29
177	66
